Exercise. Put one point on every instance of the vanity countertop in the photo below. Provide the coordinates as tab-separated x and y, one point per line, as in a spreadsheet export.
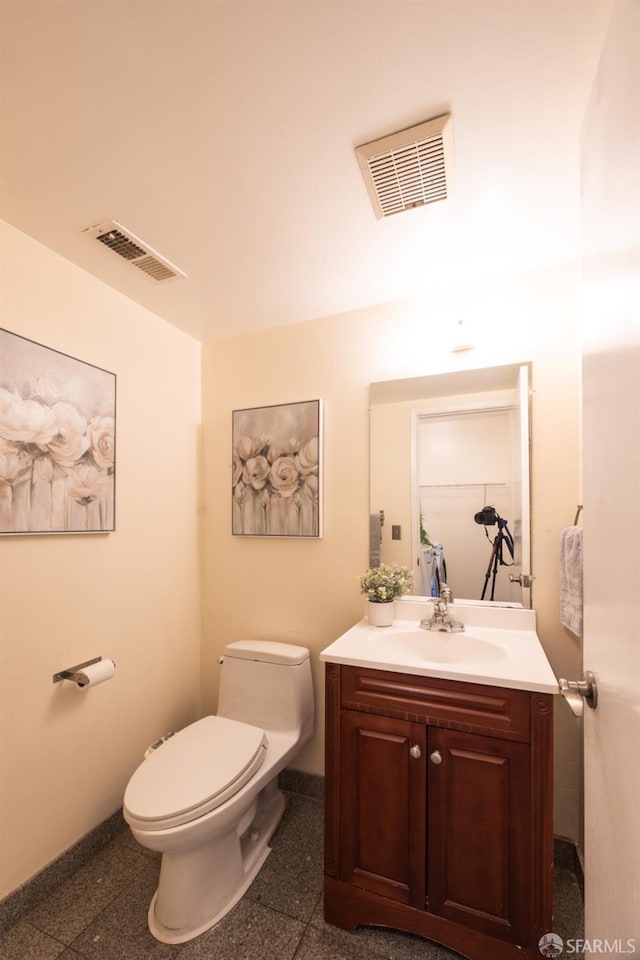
499	647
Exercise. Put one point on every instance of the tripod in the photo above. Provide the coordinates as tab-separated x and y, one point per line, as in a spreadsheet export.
503	537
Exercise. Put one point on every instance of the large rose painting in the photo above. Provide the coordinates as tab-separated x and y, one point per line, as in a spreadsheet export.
57	441
277	470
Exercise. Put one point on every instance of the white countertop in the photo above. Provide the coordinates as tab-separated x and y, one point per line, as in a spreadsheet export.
499	647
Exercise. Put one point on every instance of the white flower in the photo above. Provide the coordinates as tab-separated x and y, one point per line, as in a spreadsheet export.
70	441
282	448
247	447
284	476
44	390
25	421
256	472
382	584
310	487
85	483
102	442
241	492
307	458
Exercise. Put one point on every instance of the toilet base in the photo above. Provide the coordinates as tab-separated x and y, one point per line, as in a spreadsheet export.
194	893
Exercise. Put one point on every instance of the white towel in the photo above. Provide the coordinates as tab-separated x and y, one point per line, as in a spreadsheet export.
571	579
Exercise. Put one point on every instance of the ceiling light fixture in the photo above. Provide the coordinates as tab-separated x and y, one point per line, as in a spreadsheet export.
461	339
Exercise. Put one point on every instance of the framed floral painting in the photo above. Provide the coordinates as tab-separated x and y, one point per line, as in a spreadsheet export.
57	441
277	470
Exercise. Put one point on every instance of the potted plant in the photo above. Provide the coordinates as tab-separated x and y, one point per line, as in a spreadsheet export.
381	585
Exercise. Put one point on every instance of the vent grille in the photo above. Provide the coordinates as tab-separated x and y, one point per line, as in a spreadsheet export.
117	238
121	245
408	169
154	268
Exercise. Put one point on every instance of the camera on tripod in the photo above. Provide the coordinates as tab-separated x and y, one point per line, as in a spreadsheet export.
488	516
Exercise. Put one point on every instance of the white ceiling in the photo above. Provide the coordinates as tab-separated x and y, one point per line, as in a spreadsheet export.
222	132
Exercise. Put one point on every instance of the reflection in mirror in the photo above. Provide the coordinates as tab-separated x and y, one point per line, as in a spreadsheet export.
450	478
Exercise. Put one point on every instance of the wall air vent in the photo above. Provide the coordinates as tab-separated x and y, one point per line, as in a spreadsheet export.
410	168
117	238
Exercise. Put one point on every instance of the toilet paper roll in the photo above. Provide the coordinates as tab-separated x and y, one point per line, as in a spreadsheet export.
95	673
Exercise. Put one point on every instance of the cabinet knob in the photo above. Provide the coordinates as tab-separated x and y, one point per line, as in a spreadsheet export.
436	757
415	752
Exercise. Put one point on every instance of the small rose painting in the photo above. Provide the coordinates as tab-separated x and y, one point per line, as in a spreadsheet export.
277	470
57	441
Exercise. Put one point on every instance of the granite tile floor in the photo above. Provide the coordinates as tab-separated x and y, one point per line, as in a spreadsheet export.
100	912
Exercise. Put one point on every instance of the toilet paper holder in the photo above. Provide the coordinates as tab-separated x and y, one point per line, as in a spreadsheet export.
72	673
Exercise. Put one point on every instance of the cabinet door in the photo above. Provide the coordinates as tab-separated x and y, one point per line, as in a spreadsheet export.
383	803
478	806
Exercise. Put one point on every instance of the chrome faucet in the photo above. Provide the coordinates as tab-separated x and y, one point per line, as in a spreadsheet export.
446	594
441	619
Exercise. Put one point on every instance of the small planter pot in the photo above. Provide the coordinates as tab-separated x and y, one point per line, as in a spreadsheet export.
380	614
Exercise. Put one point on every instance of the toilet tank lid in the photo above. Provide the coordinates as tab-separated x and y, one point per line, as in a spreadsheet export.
267	651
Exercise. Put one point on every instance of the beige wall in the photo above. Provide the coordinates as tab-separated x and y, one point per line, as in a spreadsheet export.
134	595
306	591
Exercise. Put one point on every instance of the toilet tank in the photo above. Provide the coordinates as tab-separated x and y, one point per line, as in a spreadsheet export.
267	684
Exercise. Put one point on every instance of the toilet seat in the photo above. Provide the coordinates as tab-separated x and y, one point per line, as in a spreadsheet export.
193	772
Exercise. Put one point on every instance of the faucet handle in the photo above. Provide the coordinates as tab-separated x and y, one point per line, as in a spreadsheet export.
446	593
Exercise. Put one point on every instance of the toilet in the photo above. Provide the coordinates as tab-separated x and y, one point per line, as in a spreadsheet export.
208	800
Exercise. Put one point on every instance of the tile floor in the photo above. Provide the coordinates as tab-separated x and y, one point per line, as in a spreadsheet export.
100	912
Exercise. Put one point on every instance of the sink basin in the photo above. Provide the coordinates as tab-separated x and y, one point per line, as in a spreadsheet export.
447	647
498	647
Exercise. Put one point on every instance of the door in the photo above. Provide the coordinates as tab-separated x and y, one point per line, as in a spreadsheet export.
611	647
611	477
383	806
479	871
520	486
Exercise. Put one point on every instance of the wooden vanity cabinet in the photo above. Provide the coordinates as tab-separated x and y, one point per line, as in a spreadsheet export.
439	810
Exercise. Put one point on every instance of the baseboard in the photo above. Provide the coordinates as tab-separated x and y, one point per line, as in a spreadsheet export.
305	784
566	856
33	891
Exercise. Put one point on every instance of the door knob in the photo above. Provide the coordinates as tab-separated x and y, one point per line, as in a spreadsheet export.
415	752
436	757
579	692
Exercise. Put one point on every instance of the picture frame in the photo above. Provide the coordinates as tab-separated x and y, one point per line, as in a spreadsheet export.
277	470
57	441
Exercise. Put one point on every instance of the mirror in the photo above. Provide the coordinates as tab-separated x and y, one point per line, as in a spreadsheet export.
444	448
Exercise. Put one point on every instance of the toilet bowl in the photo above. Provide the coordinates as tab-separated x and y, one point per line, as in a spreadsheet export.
208	798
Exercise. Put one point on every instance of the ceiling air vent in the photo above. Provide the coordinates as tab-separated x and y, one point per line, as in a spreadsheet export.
410	168
117	238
